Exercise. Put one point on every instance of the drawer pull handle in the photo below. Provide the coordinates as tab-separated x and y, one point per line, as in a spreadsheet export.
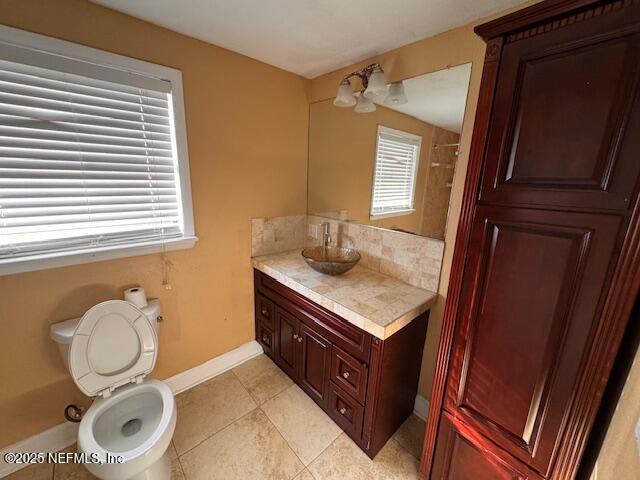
295	335
264	338
264	312
346	374
299	339
343	410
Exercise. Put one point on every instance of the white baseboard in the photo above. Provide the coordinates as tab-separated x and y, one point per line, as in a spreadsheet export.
209	369
64	435
421	407
52	440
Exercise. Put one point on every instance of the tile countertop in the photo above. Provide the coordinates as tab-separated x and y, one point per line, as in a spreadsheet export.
372	301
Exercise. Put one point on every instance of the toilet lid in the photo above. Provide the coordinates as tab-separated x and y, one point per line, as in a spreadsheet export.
114	344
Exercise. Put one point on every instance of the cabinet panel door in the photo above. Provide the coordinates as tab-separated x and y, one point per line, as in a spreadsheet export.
315	364
564	126
286	351
462	455
533	287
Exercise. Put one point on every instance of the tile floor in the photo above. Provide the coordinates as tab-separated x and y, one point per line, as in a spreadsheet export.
253	423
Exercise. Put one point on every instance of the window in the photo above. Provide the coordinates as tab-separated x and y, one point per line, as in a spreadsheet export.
93	158
397	156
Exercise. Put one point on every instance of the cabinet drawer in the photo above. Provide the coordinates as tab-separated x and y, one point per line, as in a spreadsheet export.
345	411
265	337
265	311
349	374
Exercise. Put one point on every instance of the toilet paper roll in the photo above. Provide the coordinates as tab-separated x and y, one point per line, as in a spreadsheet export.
137	296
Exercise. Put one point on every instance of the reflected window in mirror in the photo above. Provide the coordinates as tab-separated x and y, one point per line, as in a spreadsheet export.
342	171
396	166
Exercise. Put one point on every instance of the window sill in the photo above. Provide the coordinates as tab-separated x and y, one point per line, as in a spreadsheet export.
41	262
397	213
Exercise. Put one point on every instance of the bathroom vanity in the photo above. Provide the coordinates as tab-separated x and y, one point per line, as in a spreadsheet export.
353	343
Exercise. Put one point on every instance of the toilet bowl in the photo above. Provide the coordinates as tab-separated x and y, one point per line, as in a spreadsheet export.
127	431
136	423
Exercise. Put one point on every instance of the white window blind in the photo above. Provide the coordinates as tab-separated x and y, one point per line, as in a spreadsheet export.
88	157
397	156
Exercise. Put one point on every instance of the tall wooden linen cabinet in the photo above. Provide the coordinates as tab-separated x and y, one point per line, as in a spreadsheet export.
546	263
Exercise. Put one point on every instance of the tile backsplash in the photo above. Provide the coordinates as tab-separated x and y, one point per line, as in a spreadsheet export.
411	258
277	234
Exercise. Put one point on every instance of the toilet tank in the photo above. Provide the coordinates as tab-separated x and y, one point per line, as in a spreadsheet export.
62	332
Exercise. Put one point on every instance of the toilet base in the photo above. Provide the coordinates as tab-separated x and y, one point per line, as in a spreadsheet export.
160	470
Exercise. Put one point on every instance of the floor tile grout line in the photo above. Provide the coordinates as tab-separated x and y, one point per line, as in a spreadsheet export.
178	459
235	420
406	450
285	439
219	430
184	474
328	446
255	399
227	425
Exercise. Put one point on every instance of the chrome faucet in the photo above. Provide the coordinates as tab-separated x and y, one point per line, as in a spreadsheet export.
326	234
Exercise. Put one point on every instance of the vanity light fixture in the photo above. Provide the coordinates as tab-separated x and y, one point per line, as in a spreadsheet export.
375	88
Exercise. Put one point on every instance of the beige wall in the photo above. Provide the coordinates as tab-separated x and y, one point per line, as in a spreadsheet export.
342	146
247	133
451	48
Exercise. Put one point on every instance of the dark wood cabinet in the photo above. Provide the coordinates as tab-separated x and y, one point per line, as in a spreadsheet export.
545	268
535	280
287	343
315	364
366	385
462	455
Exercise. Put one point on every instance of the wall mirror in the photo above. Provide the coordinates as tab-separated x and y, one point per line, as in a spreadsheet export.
392	167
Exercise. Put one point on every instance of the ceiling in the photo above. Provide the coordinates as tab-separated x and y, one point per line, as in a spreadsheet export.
438	98
309	37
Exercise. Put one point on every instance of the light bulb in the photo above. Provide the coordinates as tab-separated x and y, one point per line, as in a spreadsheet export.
344	97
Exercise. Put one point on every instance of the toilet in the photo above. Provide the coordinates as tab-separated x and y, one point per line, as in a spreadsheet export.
109	352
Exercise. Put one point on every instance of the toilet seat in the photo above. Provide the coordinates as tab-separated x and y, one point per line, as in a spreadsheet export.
113	345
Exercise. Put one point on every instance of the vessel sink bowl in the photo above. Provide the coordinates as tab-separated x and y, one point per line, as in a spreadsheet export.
331	260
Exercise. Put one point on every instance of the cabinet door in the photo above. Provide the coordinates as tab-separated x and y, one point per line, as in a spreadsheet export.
534	284
564	126
462	455
315	364
287	334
